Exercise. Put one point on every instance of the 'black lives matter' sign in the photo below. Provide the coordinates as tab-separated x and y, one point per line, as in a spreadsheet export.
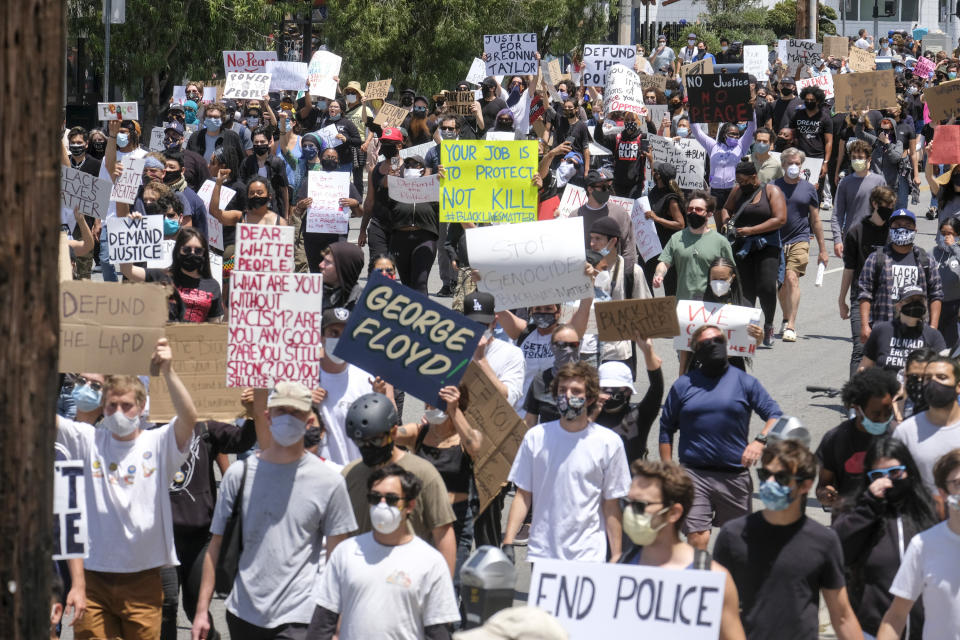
719	97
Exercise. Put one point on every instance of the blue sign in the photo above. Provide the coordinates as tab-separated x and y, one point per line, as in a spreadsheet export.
410	341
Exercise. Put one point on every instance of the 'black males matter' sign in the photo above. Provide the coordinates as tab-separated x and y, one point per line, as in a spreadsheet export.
719	97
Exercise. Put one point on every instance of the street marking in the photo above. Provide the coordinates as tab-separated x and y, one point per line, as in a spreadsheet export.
832	270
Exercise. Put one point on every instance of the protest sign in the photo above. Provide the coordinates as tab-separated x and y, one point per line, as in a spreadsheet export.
802	53
110	327
286	75
69	510
390	115
209	95
126	187
325	214
246	86
274	328
488	181
573	198
627	319
686	155
135	239
490	413
731	319
654	113
89	194
460	102
413	190
324	65
861	60
216	268
477	72
412	342
645	230
599	58
377	90
156	139
510	54
756	60
418	150
329	136
68	222
836	46
623	91
946	145
924	67
179	94
781	50
943	100
720	97
166	256
592	599
267	248
117	111
648	81
247	62
937	42
867	90
809	170
825	82
697	68
535	263
200	351
214	226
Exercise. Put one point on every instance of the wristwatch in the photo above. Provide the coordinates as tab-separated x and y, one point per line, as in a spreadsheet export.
762	439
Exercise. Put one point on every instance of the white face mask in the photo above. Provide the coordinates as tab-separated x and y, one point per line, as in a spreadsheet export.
412	173
384	518
329	346
287	429
953	501
564	172
351	98
720	288
793	171
435	416
603	281
119	424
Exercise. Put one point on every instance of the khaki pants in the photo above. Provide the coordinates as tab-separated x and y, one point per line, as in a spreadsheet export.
122	605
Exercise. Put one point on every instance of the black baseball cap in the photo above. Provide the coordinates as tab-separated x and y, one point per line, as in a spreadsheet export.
479	306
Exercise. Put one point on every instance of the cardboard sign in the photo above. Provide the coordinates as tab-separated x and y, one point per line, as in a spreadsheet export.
685	155
412	342
247	62
645	230
490	413
286	75
266	248
377	89
825	82
325	214
534	263
836	46
627	319
868	90
477	72
511	54
274	328
69	510
699	67
135	239
946	145
110	327
623	91
460	102
648	81
390	115
731	319
87	194
413	190
156	139
943	100
214	226
600	58
324	66
126	187
593	600
573	198
488	181
801	54
924	67
721	97
756	60
117	111
200	353
861	60
246	86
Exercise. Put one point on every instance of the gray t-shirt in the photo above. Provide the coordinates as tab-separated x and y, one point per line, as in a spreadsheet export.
660	60
287	510
852	202
927	443
246	139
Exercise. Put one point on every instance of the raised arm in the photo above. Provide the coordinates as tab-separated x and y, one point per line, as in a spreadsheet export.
230	217
179	396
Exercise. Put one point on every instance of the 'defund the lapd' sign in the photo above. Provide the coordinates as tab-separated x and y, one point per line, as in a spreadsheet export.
488	181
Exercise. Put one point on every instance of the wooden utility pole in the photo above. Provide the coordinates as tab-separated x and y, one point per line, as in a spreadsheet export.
31	115
802	27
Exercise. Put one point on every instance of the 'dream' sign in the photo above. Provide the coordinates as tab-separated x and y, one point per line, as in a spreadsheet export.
719	97
593	600
407	339
488	181
729	318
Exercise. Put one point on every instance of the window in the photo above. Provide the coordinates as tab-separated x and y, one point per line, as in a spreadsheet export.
904	11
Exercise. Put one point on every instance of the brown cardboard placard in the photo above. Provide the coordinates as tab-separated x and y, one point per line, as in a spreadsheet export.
657	82
859	91
377	89
65	268
627	319
460	102
943	100
489	412
110	328
836	46
699	67
861	60
200	359
390	115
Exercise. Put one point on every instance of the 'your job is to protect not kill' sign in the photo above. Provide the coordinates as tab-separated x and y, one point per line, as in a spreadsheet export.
488	181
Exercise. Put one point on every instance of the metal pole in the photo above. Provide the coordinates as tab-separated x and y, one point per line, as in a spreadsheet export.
308	37
814	18
843	17
876	21
107	16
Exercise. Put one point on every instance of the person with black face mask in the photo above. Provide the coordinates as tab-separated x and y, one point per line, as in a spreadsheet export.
377	223
490	104
347	134
711	405
891	342
599	190
265	163
540	403
97	147
911	400
76	152
629	147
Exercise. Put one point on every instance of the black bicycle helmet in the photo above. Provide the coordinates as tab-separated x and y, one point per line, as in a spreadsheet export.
371	415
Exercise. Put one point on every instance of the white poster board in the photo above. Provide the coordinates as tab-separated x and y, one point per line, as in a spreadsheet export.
645	230
599	58
511	54
477	72
246	86
412	190
264	248
69	510
156	138
573	198
247	61
731	319
623	91
214	226
126	187
324	65
287	75
135	239
325	214
825	82
329	136
755	60
686	155
117	111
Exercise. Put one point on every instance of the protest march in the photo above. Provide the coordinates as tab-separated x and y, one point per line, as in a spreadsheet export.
350	356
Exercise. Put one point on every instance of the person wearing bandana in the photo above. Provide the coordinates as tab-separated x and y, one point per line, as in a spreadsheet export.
892	341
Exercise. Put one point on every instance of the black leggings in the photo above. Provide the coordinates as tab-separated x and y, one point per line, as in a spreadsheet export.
415	252
758	277
378	241
191	548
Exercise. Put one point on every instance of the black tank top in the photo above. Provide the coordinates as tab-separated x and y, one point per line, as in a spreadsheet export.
754	214
452	463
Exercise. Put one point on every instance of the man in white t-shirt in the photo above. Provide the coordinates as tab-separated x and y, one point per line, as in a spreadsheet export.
864	40
387	583
931	567
129	522
574	472
932	433
503	362
123	141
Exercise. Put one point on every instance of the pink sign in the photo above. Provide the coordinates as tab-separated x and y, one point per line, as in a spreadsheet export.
923	68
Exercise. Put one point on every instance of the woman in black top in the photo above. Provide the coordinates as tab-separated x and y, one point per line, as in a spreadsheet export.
419	131
262	162
347	134
666	210
414	231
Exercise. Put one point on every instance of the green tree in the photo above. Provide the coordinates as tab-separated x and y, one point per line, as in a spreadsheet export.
782	19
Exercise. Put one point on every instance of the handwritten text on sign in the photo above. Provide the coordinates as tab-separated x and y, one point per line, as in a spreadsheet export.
488	181
627	319
88	194
943	100
825	82
867	90
264	248
511	54
623	91
126	187
802	53
413	190
286	75
599	58
407	339
731	319
719	97
69	510
686	155
214	226
619	600
325	214
535	263
645	230
135	239
755	60
324	65
246	86
247	61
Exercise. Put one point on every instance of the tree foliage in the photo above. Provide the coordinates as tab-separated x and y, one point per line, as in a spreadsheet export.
782	19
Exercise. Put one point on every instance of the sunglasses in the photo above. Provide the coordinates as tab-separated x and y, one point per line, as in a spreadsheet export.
389	270
93	384
374	498
639	506
894	473
783	478
569	345
186	251
448	128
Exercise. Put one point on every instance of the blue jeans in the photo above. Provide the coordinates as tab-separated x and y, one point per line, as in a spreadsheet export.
109	273
903	192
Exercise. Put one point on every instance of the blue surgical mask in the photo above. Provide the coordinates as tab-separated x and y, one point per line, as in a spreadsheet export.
86	398
170	226
683	132
563	96
875	428
212	124
668	92
123	140
309	152
322	105
252	121
742	126
952	75
774	495
761	147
